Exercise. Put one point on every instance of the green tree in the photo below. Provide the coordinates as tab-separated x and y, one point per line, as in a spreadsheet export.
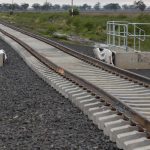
112	6
24	6
97	6
6	6
47	6
36	6
56	7
65	7
125	6
140	5
85	7
15	6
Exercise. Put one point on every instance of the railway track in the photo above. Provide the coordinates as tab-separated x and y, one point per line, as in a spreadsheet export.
116	100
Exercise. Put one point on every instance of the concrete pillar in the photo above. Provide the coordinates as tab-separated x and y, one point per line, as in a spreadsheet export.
1	59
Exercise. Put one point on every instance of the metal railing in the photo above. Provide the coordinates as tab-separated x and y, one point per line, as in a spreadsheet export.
118	34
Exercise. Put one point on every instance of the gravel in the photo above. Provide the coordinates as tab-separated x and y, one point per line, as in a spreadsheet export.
33	116
87	50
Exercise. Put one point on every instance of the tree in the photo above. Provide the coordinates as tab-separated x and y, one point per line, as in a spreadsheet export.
24	6
132	7
125	6
36	6
65	7
97	6
85	7
6	6
47	6
56	7
140	5
112	6
15	6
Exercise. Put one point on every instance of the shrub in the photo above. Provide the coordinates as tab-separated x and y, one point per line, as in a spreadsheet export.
51	29
75	12
11	12
89	26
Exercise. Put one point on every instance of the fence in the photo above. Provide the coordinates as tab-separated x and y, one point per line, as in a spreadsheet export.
126	35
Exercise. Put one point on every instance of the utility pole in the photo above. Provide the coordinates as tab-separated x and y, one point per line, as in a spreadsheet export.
72	7
11	11
46	5
12	4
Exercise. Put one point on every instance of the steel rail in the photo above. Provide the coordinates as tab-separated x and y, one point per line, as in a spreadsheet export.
109	99
112	69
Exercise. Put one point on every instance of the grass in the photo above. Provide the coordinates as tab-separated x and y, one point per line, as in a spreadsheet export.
91	26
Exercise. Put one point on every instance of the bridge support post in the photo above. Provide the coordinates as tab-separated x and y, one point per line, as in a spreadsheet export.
1	59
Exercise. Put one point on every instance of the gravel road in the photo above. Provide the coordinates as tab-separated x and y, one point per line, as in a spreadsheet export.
33	116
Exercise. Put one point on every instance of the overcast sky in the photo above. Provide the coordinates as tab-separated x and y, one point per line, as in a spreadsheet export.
76	2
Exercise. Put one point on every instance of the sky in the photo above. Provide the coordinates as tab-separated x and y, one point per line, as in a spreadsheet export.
76	2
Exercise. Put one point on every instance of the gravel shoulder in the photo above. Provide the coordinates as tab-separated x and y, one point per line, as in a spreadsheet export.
33	116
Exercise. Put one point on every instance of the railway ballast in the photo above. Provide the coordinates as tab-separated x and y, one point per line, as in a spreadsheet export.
116	100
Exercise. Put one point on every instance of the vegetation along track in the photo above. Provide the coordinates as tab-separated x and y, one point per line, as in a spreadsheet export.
96	83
